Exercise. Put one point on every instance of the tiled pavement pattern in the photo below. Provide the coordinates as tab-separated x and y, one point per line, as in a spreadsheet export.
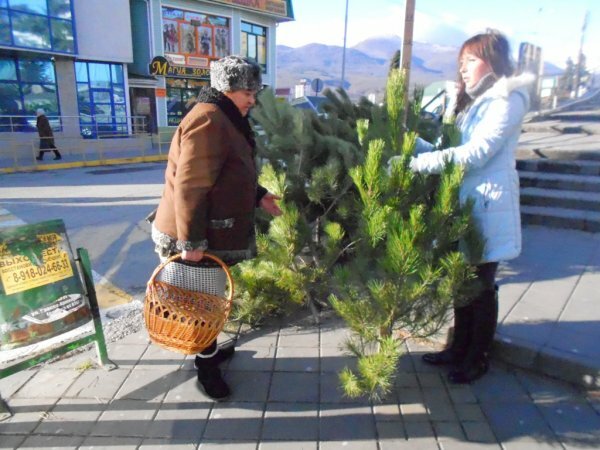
286	396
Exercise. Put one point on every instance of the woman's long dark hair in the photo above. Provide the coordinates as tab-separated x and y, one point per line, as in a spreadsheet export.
491	46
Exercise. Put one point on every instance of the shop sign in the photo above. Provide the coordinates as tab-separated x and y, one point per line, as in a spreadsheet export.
161	66
276	7
41	294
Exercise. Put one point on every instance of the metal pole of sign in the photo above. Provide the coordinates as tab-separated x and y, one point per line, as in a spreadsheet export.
88	279
344	50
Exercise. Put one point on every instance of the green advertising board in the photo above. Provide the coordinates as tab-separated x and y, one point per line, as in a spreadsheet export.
41	294
45	292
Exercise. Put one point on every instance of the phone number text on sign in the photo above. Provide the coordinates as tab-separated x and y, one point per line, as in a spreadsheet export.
19	274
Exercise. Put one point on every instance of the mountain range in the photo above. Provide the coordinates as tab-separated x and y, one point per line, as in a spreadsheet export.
366	66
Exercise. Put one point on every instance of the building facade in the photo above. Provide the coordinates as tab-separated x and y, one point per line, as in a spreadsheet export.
60	55
112	68
176	40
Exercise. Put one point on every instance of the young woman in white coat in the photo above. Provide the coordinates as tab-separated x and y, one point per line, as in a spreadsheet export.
490	106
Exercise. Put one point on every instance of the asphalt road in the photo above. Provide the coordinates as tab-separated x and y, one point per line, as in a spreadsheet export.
103	209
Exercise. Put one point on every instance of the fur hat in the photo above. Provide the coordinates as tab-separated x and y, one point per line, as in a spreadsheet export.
40	112
234	73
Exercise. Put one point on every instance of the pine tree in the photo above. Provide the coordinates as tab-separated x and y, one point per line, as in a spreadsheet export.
389	236
306	160
407	270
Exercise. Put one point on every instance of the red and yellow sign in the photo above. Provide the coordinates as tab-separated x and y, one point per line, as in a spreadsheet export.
276	7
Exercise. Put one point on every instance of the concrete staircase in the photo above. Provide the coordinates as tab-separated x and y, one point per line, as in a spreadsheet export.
558	160
562	191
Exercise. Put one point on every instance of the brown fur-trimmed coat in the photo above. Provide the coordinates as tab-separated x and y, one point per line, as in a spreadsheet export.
211	188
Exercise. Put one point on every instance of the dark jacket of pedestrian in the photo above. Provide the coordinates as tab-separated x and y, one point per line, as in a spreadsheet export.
45	132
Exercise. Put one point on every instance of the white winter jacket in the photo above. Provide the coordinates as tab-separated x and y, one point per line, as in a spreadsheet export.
490	132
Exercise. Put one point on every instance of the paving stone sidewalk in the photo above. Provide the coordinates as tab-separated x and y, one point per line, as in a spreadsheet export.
286	396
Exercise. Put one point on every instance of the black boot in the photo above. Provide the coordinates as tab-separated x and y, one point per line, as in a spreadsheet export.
485	317
209	374
40	156
57	155
209	377
222	355
455	353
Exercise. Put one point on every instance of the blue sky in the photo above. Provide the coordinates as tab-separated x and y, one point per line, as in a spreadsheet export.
555	25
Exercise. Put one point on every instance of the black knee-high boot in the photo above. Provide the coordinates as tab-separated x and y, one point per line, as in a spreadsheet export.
463	318
457	348
483	327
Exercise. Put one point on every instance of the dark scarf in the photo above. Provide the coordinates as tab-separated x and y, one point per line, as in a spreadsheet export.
241	123
486	82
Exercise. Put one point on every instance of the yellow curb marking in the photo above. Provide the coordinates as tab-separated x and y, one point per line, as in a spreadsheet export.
95	163
108	294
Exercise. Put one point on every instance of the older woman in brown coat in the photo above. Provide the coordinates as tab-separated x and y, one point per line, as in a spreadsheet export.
211	188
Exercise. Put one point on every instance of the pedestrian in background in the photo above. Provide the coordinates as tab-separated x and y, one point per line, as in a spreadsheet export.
490	107
211	189
46	136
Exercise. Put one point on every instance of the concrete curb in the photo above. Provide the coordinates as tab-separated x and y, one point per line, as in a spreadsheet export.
546	361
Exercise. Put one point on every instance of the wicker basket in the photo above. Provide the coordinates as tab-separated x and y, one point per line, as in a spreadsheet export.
183	320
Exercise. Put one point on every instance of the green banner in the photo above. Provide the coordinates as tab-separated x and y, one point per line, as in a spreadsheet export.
41	294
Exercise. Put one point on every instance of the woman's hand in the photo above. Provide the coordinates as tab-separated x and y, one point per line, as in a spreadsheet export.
192	255
268	204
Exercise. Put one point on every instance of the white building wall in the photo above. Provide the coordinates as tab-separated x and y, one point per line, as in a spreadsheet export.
103	30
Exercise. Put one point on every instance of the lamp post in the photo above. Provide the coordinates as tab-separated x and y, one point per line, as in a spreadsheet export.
344	50
579	66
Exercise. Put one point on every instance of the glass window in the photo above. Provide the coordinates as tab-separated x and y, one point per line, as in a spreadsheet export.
30	30
34	6
117	73
37	71
38	24
181	95
26	85
99	75
118	94
81	71
83	93
8	69
41	96
254	43
120	111
251	51
101	98
60	8
10	99
4	27
62	36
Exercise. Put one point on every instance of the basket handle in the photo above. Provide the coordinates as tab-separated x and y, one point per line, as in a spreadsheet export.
206	255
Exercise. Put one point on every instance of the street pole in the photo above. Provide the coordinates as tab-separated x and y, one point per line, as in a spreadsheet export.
344	50
409	21
580	55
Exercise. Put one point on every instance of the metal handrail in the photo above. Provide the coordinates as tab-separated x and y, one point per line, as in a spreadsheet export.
101	124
